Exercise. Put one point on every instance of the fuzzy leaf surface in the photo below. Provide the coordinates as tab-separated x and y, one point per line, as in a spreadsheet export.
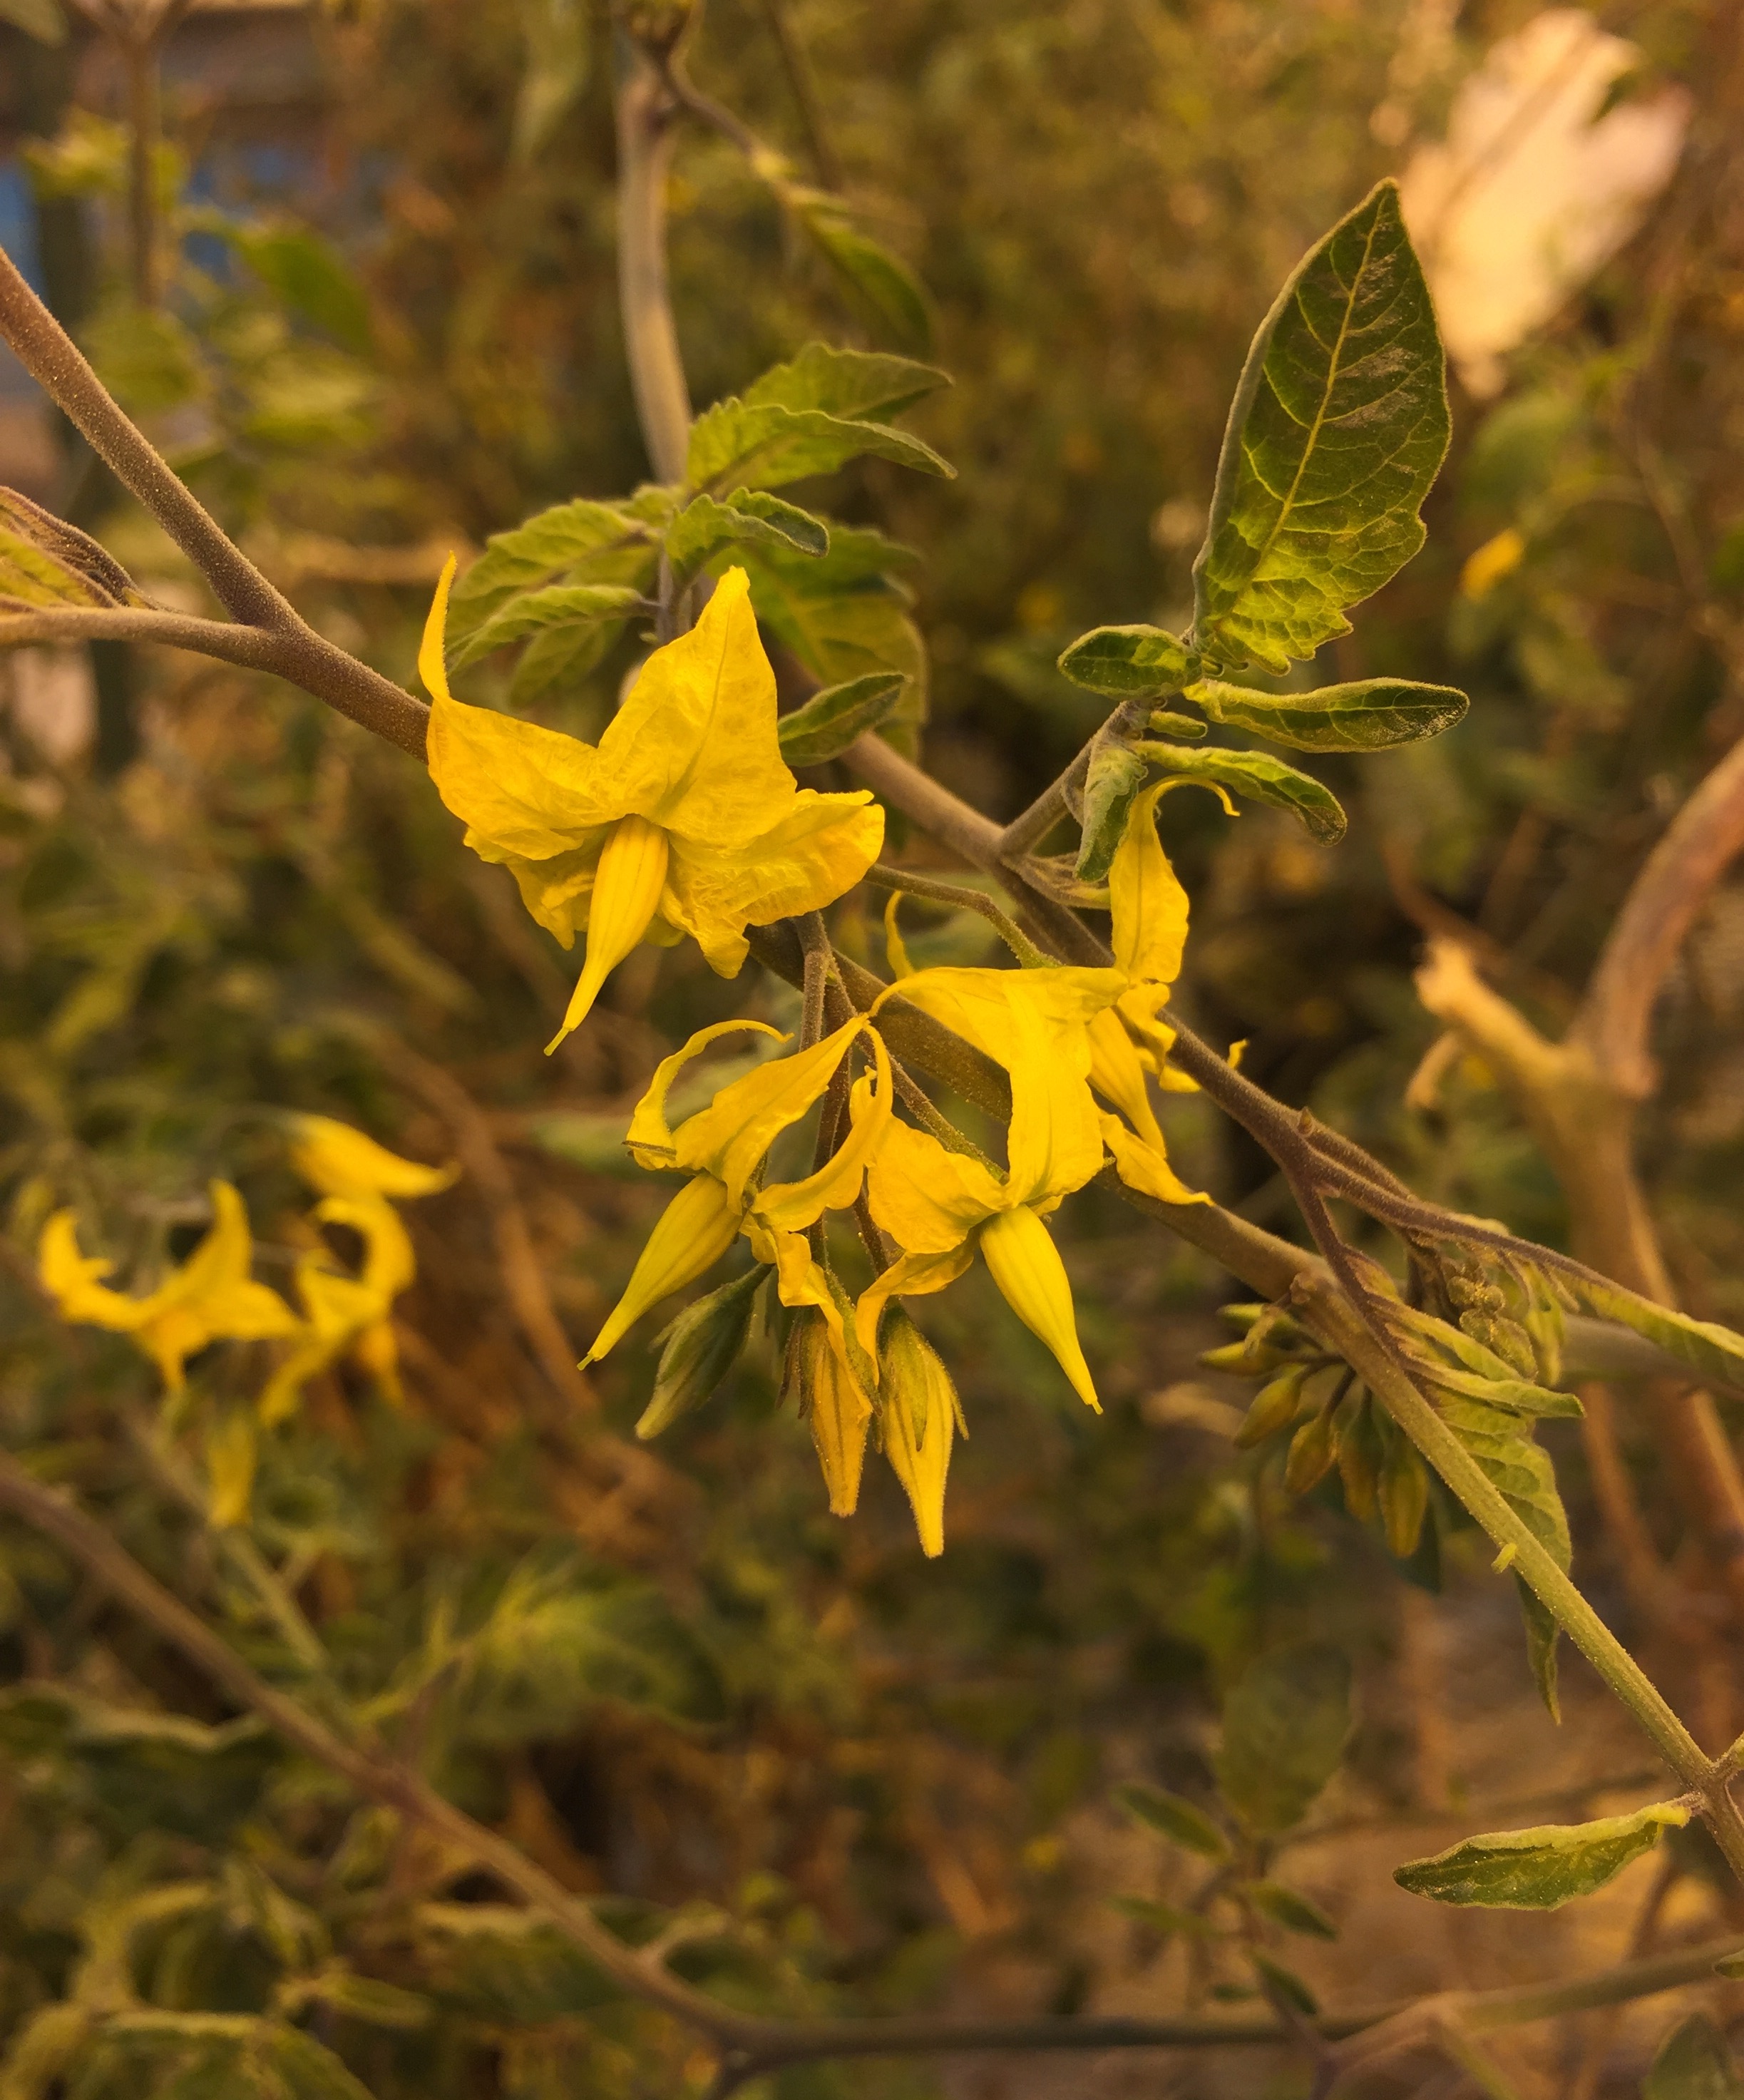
1261	779
1369	714
1540	1868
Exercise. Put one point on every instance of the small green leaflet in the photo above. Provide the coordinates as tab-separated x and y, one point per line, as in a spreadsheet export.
1174	1818
306	273
560	605
1338	427
1693	2062
884	287
1125	662
706	525
1372	714
375	2004
764	445
697	1349
844	614
1541	1868
832	720
553	540
1284	1729
1116	775
1707	1348
855	383
1282	1982
1293	1911
1455	1361
46	561
1259	778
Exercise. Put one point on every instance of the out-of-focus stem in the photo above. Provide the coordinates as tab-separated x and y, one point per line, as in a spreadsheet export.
645	106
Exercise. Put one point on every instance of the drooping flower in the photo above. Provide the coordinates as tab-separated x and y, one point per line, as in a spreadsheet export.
943	1207
723	1148
683	819
1129	1041
210	1298
918	1414
350	1315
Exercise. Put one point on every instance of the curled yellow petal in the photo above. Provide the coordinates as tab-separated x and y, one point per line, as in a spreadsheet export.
627	887
648	1137
1118	1076
389	1263
927	1199
72	1279
432	667
340	1161
917	1410
1146	900
697	1228
792	1205
1023	1260
231	1453
1145	1168
729	1138
895	949
909	1275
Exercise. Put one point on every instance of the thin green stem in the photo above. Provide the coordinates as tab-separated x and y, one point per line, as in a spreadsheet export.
905	882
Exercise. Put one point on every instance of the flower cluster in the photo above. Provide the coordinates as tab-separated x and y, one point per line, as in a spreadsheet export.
684	819
213	1296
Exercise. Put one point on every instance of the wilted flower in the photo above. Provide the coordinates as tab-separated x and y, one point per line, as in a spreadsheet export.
683	819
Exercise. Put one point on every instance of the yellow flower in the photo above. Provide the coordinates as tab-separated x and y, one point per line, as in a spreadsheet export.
918	1411
210	1298
345	1315
723	1148
339	1161
1129	1039
942	1207
683	819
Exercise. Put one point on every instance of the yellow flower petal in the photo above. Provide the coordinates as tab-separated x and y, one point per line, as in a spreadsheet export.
432	668
895	949
694	748
648	1138
1145	1167
340	1161
927	1199
729	1138
388	1263
1023	1260
917	1416
72	1279
558	891
909	1275
833	1402
1118	1076
1148	905
627	887
229	1469
818	850
792	1206
213	1289
697	1228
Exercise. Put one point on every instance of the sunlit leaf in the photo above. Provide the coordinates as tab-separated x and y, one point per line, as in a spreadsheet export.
855	383
1540	1868
1372	714
1124	662
706	524
1259	777
832	719
763	445
558	605
44	560
1338	425
1116	773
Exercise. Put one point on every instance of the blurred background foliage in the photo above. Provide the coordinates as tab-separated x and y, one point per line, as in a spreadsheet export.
392	328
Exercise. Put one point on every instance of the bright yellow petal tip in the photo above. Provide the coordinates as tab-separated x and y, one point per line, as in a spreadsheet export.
1023	1260
626	896
696	1229
432	664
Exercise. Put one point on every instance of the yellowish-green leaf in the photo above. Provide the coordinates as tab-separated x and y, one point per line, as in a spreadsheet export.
1126	661
1284	1727
832	720
1116	775
567	606
856	383
762	445
1338	425
554	540
1282	1982
1175	1818
1259	778
1291	1910
46	561
706	524
1371	714
1541	1868
887	291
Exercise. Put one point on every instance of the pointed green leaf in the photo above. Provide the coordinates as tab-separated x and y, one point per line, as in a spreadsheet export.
763	445
46	561
856	383
1371	714
1541	1868
1542	1635
1293	1911
559	656
1693	2062
1175	1818
306	273
832	720
697	1349
706	525
558	605
374	2003
1283	1983
1124	662
1261	779
554	540
1116	773
1715	1353
882	284
1338	427
1164	1917
1284	1727
1455	1361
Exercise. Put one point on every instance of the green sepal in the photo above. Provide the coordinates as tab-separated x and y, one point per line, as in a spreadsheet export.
1371	714
1259	778
1174	1818
1339	425
1115	776
708	523
830	721
1127	662
697	1349
1541	1868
